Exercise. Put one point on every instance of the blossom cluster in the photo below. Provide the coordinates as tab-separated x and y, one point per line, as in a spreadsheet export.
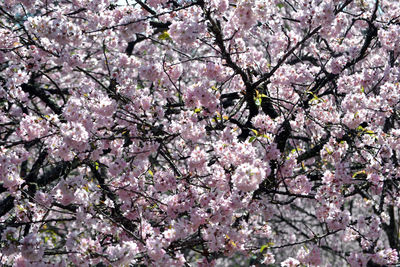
199	133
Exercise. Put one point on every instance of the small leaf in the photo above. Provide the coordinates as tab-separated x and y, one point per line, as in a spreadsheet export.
360	174
362	129
268	245
294	150
164	36
86	188
252	139
266	136
329	151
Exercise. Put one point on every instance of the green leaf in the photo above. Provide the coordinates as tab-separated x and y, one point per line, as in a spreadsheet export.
86	188
328	151
266	136
141	86
294	150
263	247
268	245
362	129
252	139
360	174
164	36
315	97
10	237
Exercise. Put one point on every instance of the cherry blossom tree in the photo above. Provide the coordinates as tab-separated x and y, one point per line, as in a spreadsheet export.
199	133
